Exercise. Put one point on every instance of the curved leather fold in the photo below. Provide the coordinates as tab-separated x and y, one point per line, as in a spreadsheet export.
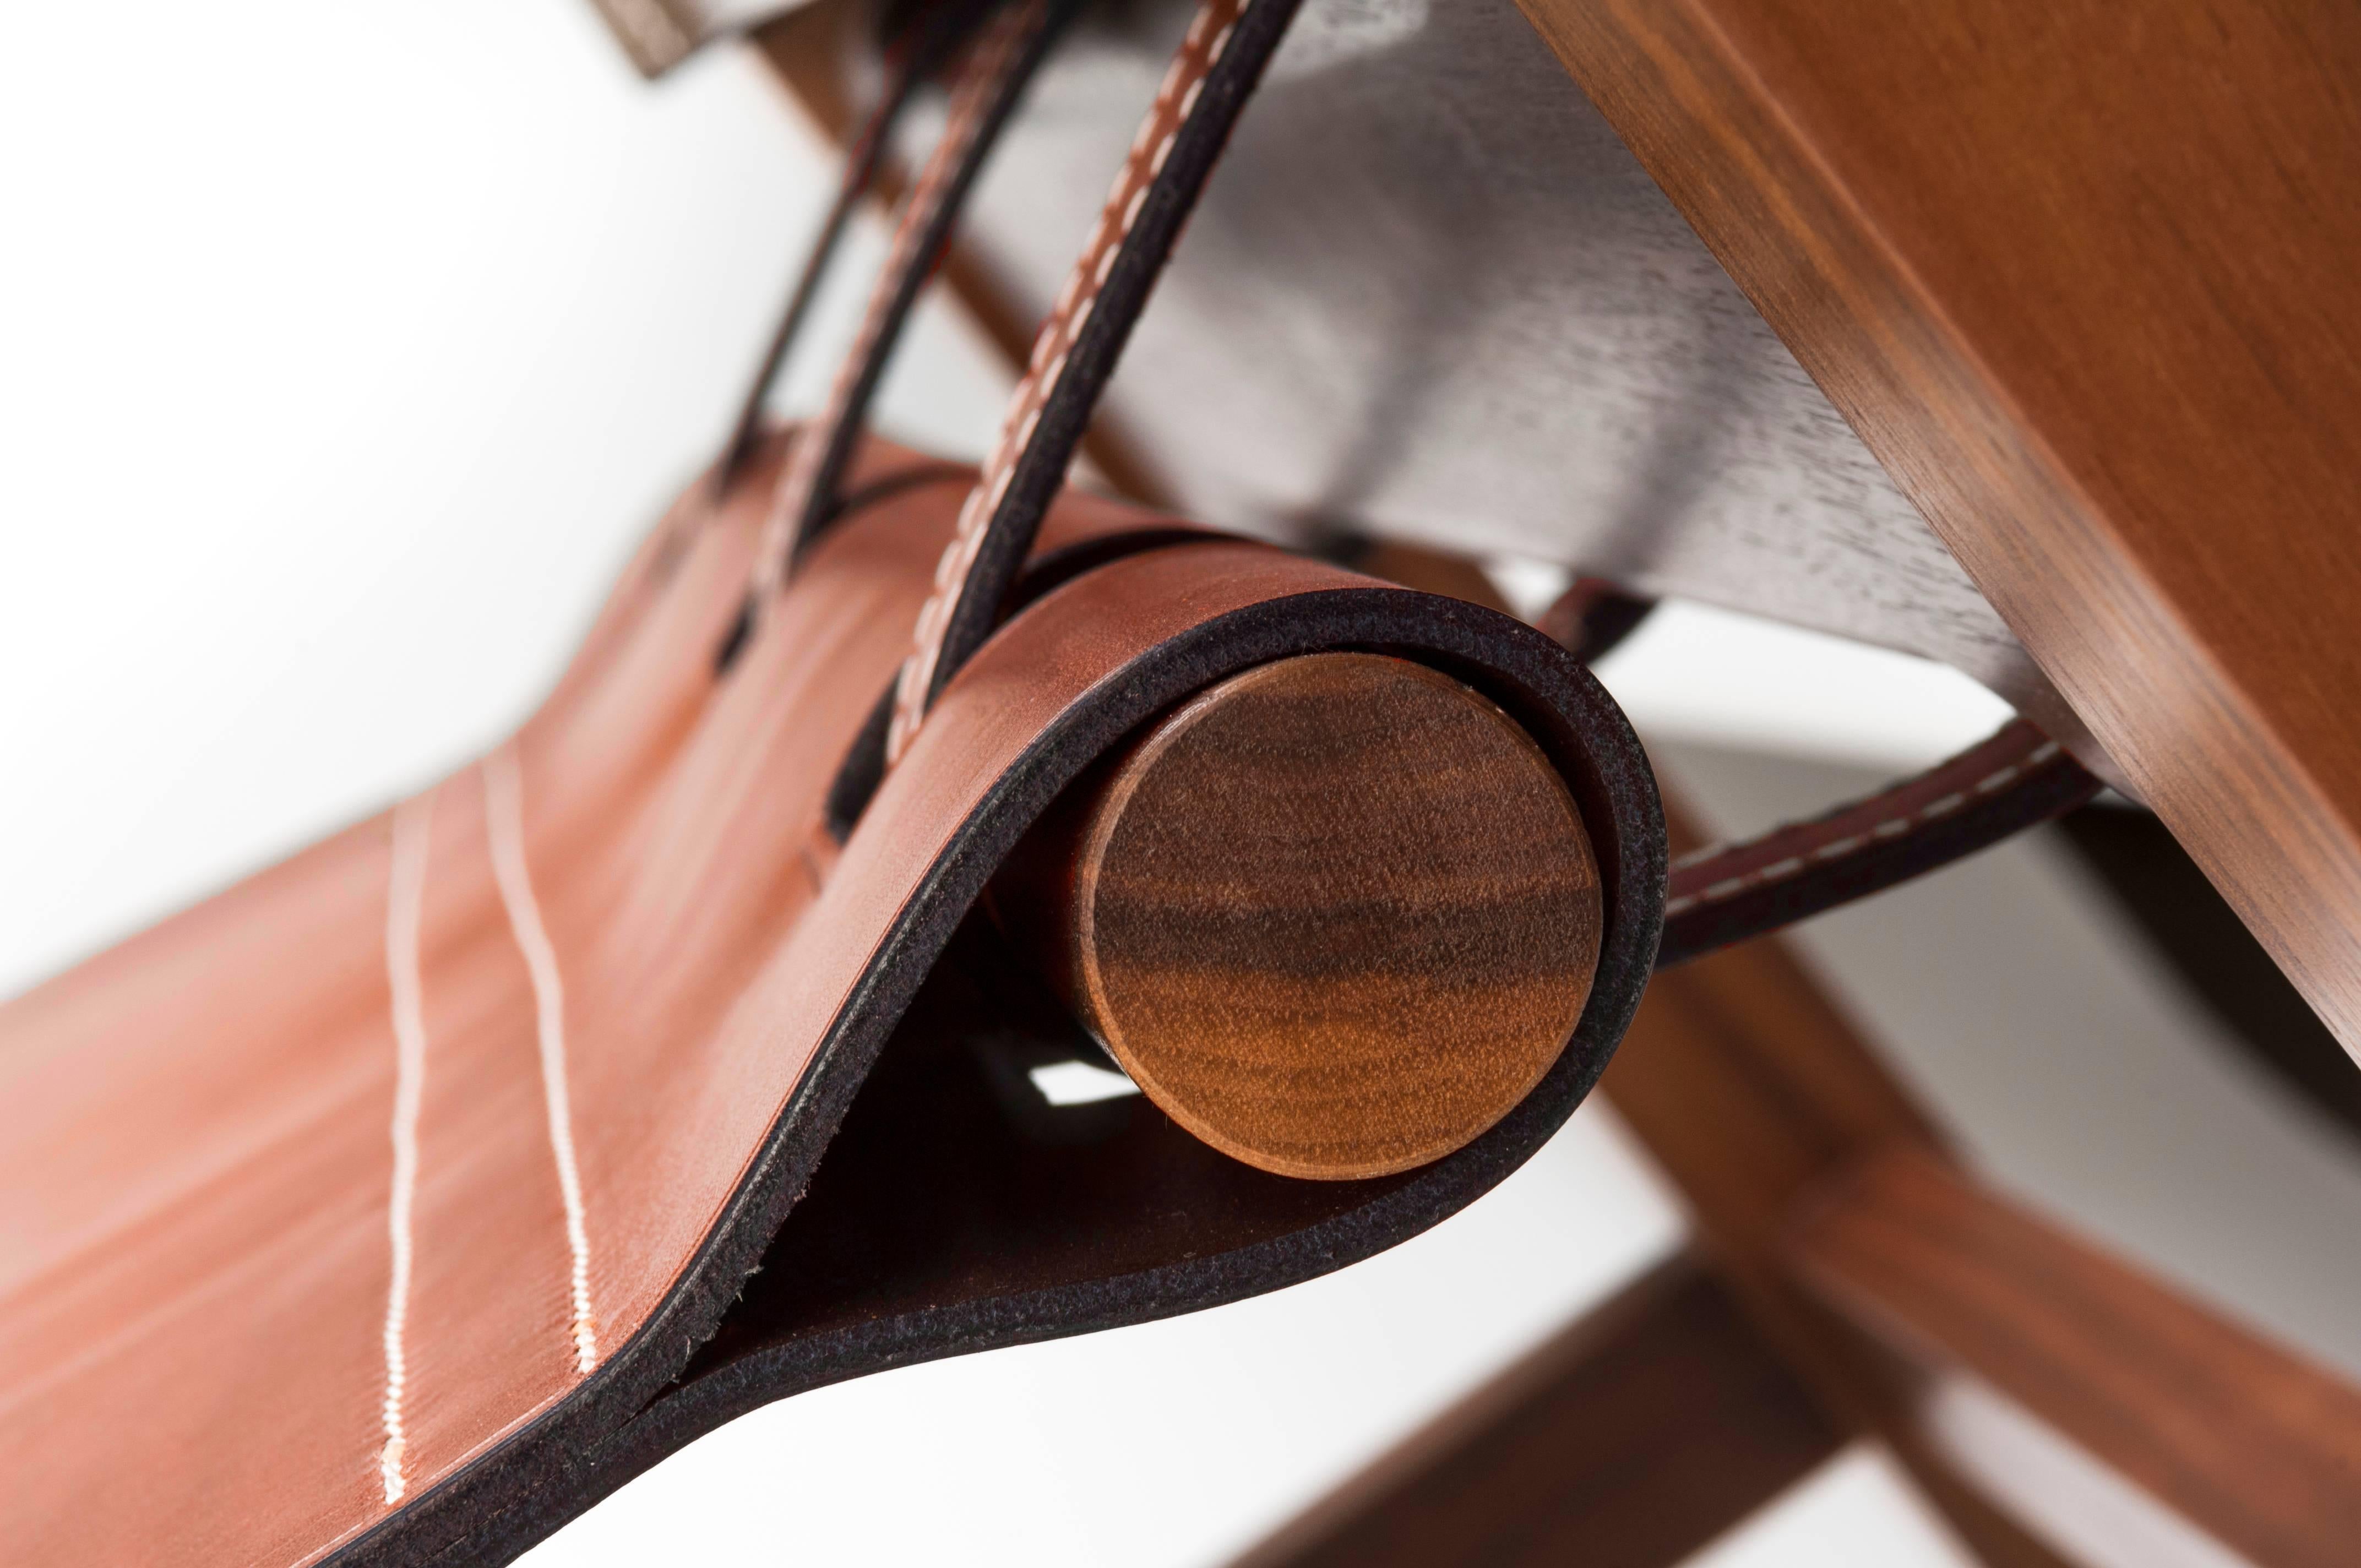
197	1216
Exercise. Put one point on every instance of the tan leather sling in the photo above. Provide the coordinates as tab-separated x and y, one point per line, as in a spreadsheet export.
402	1201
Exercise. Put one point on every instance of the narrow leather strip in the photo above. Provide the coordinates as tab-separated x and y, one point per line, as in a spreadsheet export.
1002	62
1728	892
1205	89
2014	779
920	53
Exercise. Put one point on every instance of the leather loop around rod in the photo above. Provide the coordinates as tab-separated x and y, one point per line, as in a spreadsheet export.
1223	57
1070	678
202	1198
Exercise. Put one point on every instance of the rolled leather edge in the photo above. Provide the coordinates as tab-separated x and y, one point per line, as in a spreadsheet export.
646	1404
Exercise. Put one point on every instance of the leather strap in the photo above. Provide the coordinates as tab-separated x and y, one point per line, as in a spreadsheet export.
1728	893
1010	49
942	1226
1725	894
1592	616
1219	61
916	54
1715	898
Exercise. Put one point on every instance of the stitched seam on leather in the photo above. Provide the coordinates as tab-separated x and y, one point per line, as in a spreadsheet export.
1183	82
1880	832
504	827
980	83
405	900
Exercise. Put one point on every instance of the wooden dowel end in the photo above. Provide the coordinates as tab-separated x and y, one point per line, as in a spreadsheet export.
1336	915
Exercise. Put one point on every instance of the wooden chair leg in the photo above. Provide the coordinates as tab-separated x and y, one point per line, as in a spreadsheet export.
1630	1440
1749	1087
2251	1444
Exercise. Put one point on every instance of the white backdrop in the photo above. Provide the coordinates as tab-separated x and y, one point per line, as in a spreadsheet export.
343	352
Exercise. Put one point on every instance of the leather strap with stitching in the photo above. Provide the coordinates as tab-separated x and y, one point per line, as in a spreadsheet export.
1002	60
1221	58
915	56
1715	898
1726	893
1011	46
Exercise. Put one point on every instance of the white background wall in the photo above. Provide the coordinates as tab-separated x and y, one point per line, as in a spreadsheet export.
343	352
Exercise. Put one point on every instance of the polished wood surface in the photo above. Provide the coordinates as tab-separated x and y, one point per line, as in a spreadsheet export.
1630	1440
1338	916
2083	279
2259	1448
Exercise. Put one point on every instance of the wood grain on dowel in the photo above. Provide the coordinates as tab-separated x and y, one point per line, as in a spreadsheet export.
1336	916
2082	277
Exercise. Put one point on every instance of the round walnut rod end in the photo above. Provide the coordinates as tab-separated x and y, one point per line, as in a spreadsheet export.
1336	915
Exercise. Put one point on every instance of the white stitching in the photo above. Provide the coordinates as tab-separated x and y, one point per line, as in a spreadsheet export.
1171	82
792	497
504	827
1779	870
404	903
917	669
